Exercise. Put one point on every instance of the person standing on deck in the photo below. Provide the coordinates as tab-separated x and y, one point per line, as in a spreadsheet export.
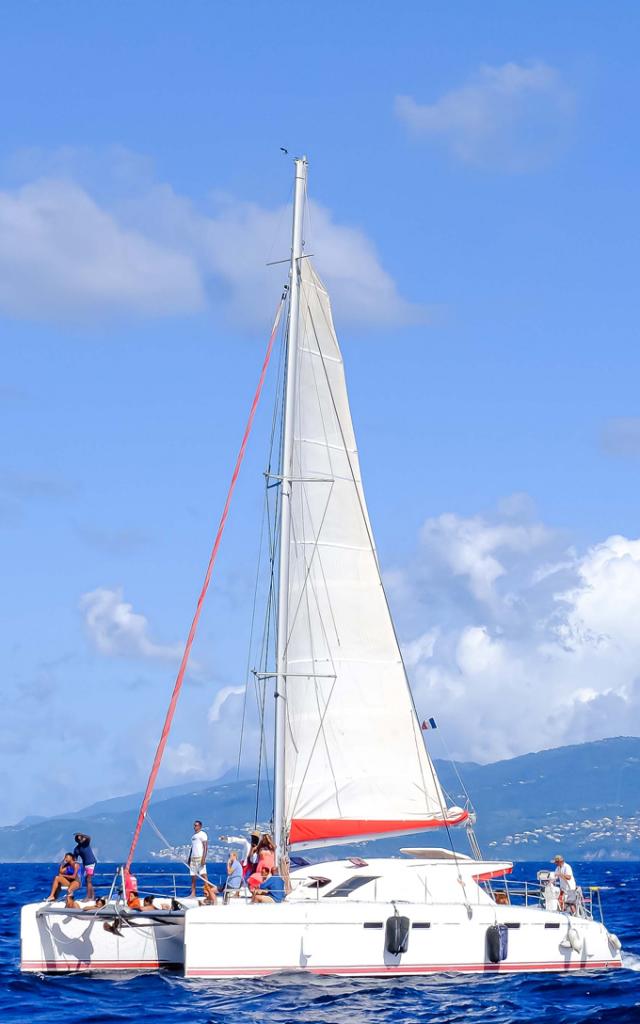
566	880
85	854
248	852
198	855
564	874
266	859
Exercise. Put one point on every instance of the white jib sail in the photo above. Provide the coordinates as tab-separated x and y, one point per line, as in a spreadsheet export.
355	761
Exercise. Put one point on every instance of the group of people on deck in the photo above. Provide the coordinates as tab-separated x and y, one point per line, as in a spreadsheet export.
254	866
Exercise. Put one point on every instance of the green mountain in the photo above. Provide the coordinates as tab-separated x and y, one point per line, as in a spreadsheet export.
583	800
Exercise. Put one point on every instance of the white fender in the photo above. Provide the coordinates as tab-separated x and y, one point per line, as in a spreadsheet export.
614	941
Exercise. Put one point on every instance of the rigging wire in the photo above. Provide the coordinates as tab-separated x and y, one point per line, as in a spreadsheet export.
203	592
265	522
250	645
168	845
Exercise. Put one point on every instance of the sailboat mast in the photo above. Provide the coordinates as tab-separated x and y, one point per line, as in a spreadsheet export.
285	504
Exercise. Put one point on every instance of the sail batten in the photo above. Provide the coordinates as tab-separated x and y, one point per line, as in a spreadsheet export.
355	760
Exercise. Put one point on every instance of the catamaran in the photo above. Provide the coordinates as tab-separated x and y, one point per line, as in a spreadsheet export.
350	759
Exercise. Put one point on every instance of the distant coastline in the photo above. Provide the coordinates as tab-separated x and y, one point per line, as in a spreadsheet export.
581	799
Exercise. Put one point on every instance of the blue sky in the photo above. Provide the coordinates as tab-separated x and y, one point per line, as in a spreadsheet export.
474	176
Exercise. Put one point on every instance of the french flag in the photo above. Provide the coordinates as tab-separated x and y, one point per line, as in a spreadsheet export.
429	723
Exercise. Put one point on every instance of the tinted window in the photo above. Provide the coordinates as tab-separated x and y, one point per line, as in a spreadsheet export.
351	884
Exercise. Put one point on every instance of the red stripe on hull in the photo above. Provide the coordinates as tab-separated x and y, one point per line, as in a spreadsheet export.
380	970
308	830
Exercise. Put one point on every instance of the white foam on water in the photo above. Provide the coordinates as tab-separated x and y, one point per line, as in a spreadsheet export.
631	961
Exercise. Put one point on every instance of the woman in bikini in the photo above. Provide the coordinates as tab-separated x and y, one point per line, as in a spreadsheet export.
67	877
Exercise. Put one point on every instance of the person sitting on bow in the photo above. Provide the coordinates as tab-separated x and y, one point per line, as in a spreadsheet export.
233	883
66	877
271	889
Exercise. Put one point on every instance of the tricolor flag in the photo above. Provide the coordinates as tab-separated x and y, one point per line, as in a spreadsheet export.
429	723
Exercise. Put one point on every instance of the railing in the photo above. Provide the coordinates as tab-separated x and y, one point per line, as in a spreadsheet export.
505	891
167	884
510	892
588	903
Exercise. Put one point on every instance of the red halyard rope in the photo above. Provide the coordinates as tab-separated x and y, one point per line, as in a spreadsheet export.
205	586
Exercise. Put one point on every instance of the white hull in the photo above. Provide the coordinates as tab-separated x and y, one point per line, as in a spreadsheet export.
316	931
334	935
53	940
250	941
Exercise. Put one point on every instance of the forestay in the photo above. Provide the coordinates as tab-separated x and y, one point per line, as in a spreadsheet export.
355	761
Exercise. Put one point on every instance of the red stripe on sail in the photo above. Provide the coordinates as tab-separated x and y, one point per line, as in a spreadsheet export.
486	875
309	830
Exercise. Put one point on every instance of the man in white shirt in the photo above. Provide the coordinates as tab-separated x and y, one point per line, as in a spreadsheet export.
564	874
198	855
566	880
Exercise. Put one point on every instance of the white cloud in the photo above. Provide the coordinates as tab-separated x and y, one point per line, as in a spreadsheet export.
115	629
62	255
470	547
478	653
232	244
223	695
513	117
65	254
523	657
184	759
420	649
604	608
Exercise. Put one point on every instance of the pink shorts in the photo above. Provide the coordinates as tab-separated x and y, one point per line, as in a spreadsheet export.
89	869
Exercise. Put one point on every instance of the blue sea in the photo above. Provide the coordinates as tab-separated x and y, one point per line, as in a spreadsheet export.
612	997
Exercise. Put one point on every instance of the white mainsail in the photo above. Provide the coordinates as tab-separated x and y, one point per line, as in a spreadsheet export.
354	758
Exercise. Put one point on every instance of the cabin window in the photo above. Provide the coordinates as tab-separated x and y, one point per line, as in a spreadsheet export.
372	924
318	882
351	884
421	924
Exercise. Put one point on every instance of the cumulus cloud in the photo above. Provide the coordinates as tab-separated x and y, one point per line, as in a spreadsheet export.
62	255
184	759
223	695
115	629
232	243
472	547
512	117
519	655
66	254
